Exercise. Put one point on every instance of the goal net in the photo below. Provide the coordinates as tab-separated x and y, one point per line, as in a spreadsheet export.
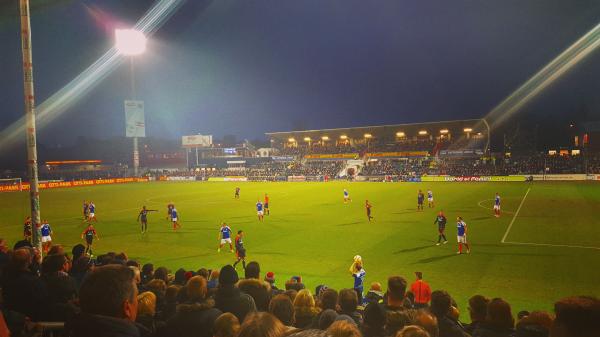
11	184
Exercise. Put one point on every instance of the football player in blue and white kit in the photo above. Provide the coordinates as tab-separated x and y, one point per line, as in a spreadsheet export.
46	233
259	210
174	219
225	235
346	196
430	199
497	205
92	212
461	235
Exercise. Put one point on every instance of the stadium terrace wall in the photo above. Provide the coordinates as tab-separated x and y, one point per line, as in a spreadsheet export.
76	183
398	154
332	156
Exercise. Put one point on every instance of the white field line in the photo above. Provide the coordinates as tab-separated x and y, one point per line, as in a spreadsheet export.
515	216
550	245
490	208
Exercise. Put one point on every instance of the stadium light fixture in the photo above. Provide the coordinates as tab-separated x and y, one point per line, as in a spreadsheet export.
422	132
400	134
468	130
130	42
291	140
307	139
343	137
368	135
325	138
444	131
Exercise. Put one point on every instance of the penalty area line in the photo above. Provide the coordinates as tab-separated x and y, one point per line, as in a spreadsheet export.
550	245
515	216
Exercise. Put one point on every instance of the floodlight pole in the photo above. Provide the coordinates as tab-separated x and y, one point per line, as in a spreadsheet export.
32	168
136	152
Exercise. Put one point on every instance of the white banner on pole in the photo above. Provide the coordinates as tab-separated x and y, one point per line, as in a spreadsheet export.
196	141
134	119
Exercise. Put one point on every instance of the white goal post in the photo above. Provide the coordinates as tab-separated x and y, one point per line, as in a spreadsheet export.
8	182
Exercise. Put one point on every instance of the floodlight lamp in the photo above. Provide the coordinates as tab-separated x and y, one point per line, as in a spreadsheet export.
467	130
422	132
130	42
444	131
291	140
368	135
400	134
325	138
343	137
307	139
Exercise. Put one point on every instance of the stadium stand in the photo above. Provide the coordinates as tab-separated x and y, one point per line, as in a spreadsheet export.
112	295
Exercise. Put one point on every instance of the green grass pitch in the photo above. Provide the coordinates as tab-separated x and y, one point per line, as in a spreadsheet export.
552	249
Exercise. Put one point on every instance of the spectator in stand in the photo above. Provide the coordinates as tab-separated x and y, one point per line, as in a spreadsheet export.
421	290
161	273
147	273
255	287
108	301
197	316
348	301
327	300
395	295
78	251
534	324
22	290
61	288
262	324
159	288
412	331
4	256
576	317
374	295
213	279
305	309
343	328
427	321
226	325
374	321
441	307
170	308
499	321
147	311
282	307
270	278
179	277
477	311
229	298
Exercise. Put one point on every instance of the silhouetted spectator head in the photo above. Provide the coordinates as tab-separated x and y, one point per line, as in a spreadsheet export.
535	324
196	288
374	316
478	308
577	316
348	300
228	276
396	289
161	273
252	270
328	299
441	302
146	303
180	277
499	314
110	291
343	328
77	251
282	307
54	263
327	318
262	324
203	272
412	331
226	325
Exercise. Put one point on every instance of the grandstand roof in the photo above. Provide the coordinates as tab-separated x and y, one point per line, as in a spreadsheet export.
384	131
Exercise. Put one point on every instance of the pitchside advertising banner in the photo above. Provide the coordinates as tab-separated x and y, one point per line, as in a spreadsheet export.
398	154
473	178
76	183
135	125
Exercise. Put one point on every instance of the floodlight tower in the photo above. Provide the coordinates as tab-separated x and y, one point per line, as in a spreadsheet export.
131	42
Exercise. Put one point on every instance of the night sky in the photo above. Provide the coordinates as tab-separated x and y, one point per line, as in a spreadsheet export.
248	67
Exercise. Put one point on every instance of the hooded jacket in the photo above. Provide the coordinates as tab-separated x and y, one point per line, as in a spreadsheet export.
230	299
259	290
193	319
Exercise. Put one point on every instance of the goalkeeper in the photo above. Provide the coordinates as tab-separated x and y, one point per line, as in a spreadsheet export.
358	273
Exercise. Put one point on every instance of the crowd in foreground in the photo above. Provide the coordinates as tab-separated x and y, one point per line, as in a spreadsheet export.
115	296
